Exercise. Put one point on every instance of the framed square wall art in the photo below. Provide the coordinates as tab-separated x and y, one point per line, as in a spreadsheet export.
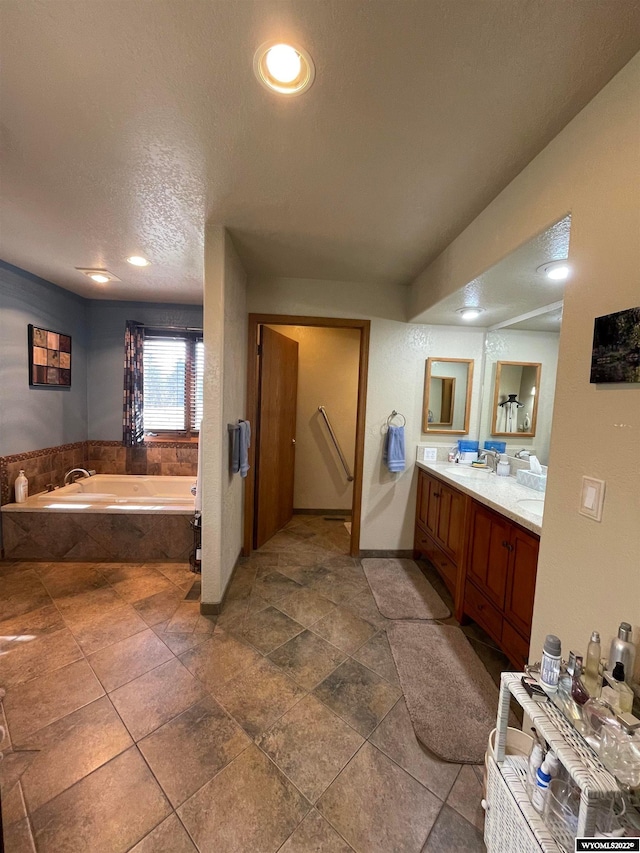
616	347
49	358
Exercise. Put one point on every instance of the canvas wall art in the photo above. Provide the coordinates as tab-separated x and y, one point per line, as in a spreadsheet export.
616	347
49	358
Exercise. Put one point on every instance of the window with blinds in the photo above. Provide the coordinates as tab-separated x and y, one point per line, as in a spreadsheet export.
173	371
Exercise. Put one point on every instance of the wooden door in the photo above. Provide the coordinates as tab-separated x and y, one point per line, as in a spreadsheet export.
275	444
489	553
521	585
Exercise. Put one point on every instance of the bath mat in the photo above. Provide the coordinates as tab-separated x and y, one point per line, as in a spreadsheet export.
401	590
451	698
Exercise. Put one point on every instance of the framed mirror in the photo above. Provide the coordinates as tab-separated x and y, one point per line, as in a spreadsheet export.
515	398
447	396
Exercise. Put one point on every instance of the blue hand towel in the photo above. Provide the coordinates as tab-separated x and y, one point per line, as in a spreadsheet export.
393	453
245	443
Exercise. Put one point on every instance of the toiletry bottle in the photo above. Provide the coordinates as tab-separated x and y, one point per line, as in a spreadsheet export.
503	469
550	667
616	693
21	486
546	772
579	692
536	757
592	680
622	649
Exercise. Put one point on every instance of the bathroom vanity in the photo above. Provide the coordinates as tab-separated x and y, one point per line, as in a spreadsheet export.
482	532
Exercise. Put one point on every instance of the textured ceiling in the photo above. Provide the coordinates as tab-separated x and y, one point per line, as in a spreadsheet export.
128	124
513	288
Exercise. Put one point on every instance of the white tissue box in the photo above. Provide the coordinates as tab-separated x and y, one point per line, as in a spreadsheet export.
531	480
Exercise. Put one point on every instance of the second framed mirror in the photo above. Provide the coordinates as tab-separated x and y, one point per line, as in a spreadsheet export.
515	398
447	395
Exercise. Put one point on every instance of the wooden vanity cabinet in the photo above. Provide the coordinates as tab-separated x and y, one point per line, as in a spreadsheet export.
440	527
501	567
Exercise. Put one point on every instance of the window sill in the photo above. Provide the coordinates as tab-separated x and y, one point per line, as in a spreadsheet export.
169	438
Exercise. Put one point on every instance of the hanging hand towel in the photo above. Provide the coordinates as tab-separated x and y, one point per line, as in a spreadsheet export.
245	443
393	453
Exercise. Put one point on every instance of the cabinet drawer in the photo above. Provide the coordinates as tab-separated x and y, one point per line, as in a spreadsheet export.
446	568
515	647
482	611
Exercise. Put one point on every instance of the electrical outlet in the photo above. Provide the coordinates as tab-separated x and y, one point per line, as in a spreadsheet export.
592	498
426	454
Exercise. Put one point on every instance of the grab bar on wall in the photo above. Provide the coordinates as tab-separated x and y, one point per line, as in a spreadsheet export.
347	470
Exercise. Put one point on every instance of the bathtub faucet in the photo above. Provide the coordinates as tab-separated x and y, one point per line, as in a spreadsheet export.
69	478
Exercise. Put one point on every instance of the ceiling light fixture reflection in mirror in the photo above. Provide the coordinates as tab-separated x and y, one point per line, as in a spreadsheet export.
447	396
515	398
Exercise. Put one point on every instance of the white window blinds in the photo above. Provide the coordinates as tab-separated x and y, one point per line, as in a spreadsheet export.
173	371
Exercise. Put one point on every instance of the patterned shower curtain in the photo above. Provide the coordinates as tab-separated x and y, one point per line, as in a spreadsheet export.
132	426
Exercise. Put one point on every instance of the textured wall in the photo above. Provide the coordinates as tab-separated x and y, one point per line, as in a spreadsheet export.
588	572
32	418
106	323
328	361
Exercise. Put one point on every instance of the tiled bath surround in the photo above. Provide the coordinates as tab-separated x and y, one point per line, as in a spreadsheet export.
50	464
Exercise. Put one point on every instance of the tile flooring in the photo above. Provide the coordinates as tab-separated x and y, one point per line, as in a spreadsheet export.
135	723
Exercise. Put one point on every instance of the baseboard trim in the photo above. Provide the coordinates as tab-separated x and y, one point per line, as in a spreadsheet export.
403	554
209	608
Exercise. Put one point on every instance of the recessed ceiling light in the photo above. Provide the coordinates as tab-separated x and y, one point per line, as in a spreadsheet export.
138	261
283	68
470	312
555	270
98	275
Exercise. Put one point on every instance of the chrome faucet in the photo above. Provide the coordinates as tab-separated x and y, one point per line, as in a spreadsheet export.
523	454
69	478
486	455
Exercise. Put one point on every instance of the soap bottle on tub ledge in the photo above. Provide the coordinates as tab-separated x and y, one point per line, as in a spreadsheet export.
21	487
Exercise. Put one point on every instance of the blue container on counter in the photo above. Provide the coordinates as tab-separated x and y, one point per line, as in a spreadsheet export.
468	446
498	446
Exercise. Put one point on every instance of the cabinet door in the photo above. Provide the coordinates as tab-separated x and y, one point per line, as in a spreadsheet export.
489	553
521	585
450	530
422	503
433	508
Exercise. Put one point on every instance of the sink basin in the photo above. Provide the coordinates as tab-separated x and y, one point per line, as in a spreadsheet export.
532	505
468	473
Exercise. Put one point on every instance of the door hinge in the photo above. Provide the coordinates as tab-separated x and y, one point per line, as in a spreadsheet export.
259	349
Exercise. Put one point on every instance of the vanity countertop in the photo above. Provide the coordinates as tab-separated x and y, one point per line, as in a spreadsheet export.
499	493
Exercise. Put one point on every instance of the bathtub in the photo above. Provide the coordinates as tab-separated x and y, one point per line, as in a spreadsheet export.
130	518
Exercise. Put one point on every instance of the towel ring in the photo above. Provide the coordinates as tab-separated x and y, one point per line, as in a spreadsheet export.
395	414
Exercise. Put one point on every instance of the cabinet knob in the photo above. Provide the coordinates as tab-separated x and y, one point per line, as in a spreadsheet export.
505	544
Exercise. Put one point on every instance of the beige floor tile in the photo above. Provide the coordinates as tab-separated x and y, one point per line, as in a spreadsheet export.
338	588
344	629
28	659
259	696
315	835
18	837
159	607
396	738
185	618
71	748
82	817
377	807
301	570
168	837
125	660
20	593
190	749
177	573
249	807
34	704
452	833
274	586
117	572
142	586
307	658
357	695
306	606
87	605
310	745
151	700
180	643
108	628
267	629
219	659
376	655
35	623
64	579
466	796
13	804
364	605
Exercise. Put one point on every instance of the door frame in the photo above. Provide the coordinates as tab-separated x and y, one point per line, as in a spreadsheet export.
364	327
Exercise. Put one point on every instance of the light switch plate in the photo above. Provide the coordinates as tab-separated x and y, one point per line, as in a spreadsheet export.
592	498
426	454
